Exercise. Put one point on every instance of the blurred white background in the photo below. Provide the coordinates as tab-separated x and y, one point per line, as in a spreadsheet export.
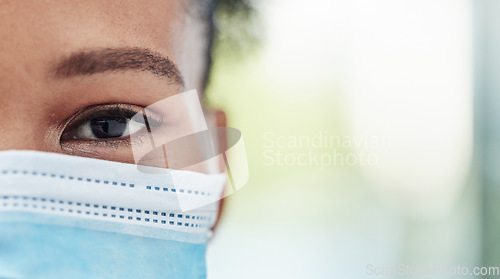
396	69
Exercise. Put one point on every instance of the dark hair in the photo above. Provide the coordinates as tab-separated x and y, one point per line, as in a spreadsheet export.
228	24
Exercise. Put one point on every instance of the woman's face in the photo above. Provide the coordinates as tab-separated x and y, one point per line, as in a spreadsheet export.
72	73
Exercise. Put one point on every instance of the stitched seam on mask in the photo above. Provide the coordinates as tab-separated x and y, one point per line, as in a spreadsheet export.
102	181
85	209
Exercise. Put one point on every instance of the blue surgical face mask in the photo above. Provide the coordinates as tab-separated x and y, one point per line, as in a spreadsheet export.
70	217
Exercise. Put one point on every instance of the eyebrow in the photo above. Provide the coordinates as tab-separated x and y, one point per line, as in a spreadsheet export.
118	59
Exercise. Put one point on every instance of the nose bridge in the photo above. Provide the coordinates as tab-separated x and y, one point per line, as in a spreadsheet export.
23	120
21	127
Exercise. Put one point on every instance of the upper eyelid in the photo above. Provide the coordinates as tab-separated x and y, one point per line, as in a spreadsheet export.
86	114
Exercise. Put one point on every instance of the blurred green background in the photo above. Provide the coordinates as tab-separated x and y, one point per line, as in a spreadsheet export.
365	72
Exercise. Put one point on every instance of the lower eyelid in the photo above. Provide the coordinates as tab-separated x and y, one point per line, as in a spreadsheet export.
113	151
97	143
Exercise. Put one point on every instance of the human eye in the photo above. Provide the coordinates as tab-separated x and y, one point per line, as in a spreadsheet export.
108	124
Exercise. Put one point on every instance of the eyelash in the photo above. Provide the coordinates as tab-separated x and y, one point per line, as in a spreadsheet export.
107	110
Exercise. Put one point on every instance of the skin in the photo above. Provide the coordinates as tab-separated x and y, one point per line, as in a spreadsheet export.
39	103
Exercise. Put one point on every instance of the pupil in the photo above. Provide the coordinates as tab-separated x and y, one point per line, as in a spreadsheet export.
108	127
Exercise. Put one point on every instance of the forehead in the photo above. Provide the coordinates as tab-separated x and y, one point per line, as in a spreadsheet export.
38	30
37	33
